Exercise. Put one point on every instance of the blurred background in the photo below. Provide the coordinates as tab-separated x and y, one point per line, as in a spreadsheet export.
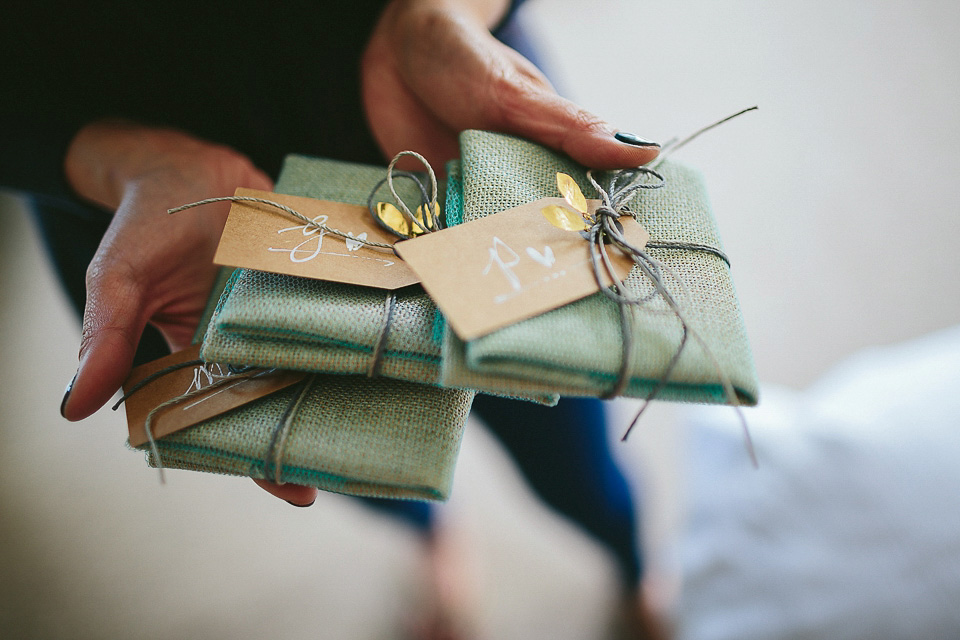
839	205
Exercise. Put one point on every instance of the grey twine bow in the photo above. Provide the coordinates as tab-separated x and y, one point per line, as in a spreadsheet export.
606	230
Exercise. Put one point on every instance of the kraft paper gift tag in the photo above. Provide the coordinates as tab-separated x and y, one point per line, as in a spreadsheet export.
576	349
275	320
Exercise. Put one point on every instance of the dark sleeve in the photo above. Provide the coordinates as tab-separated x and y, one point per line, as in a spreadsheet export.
33	150
191	67
186	68
39	112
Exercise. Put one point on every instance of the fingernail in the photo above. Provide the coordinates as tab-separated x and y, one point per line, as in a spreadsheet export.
66	395
302	506
635	140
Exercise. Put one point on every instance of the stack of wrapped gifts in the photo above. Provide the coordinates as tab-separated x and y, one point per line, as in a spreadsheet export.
389	372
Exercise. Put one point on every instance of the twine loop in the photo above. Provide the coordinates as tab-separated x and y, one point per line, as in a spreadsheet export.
606	229
428	198
235	374
431	222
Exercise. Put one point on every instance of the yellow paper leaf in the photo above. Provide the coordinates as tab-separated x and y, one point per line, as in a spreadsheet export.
394	219
428	223
571	192
401	224
563	218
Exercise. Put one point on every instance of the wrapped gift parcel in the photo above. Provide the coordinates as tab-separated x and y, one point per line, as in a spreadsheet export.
278	320
393	435
269	319
347	434
576	349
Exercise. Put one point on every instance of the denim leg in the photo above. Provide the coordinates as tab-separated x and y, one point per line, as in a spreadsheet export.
564	455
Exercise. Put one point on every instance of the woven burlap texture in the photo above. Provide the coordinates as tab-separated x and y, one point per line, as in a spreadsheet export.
353	435
273	320
576	350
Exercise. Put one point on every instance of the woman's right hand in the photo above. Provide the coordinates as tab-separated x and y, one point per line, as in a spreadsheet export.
151	266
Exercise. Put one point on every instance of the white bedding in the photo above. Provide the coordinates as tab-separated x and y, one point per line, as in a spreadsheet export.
851	526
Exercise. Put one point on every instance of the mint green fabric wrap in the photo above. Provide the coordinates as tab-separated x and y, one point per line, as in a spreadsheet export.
576	350
377	437
271	320
353	435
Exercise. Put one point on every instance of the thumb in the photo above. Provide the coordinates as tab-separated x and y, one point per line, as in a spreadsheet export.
111	331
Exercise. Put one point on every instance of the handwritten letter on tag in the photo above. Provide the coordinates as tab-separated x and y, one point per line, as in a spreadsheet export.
259	236
200	407
513	265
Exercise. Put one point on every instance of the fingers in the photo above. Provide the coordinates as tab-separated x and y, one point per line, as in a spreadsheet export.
399	120
466	79
297	495
150	265
559	124
111	330
531	109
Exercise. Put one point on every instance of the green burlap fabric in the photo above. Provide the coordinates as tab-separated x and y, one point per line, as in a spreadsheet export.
273	320
353	435
577	349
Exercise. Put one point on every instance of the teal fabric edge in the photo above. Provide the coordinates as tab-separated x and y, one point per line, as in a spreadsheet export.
224	275
294	475
454	203
203	328
439	326
290	335
639	387
453	216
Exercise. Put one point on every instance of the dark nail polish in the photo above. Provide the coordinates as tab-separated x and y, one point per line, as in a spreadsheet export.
66	395
635	140
302	506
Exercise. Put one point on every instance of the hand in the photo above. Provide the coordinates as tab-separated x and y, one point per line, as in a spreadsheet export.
432	69
151	266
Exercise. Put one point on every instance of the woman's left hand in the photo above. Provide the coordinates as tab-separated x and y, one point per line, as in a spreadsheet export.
432	69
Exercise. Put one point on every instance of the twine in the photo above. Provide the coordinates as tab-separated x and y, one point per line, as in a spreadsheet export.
293	212
606	230
428	200
235	376
390	303
278	438
670	146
